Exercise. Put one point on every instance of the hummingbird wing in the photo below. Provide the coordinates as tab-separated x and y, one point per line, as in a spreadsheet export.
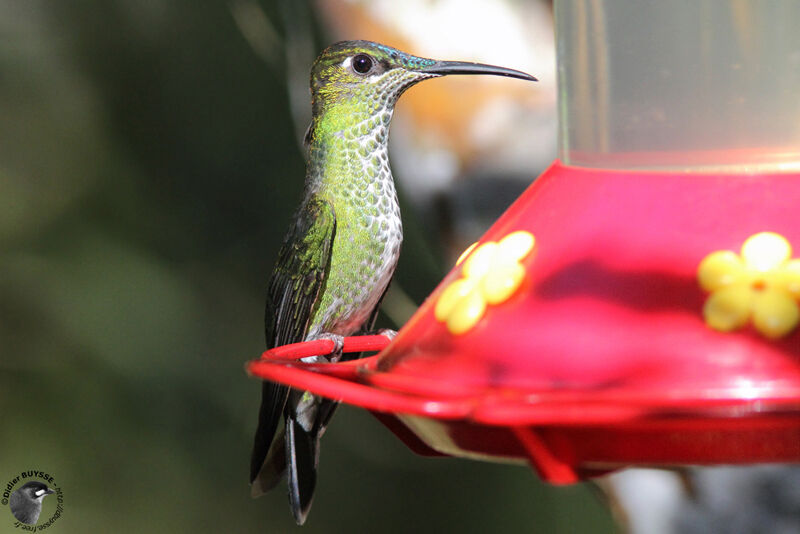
294	290
300	273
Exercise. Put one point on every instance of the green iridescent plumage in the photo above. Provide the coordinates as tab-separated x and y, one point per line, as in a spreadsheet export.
341	250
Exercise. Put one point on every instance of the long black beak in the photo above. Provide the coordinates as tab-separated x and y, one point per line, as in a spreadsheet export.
463	67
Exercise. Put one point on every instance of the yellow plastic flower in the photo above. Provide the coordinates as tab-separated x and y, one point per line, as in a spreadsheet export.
492	273
762	285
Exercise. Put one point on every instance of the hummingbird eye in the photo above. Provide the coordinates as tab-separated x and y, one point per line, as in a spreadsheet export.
362	63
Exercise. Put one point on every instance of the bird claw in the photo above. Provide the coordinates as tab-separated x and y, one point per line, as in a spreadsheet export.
338	345
387	333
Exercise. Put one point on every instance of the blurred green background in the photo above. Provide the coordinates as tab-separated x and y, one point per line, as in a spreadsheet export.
148	167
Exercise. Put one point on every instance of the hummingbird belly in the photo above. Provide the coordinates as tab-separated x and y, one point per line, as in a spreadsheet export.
365	254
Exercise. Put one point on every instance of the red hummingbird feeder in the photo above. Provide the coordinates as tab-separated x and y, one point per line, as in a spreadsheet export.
639	303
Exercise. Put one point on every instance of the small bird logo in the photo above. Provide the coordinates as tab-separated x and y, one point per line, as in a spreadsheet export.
343	243
26	502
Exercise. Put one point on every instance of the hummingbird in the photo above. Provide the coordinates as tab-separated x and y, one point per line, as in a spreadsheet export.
342	245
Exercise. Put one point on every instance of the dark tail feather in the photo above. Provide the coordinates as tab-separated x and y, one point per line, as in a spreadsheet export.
324	415
273	468
273	400
302	457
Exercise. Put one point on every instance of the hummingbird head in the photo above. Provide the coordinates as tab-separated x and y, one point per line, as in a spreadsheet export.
358	79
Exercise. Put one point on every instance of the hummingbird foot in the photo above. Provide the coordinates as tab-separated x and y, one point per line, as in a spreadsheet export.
387	333
338	345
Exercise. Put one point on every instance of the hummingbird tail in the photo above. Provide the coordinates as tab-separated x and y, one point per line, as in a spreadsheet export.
272	469
302	459
268	463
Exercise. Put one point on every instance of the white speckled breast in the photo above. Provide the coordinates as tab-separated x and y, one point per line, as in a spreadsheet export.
351	170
